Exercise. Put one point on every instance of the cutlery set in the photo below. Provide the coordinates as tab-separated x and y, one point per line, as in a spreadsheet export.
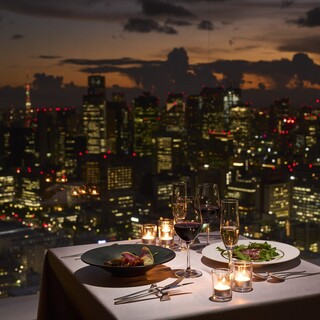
278	276
153	292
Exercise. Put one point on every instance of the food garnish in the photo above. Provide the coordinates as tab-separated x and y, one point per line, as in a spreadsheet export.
129	259
256	252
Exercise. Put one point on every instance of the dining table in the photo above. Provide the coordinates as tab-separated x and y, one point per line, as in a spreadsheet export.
73	289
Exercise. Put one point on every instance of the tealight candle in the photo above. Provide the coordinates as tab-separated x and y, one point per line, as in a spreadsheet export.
221	282
166	232
242	271
149	233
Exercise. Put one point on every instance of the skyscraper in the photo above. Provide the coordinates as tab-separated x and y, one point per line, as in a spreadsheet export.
146	123
94	115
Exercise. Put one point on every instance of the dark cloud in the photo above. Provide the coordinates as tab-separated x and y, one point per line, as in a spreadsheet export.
17	36
159	8
121	61
176	74
46	91
205	25
286	3
306	44
49	57
178	23
146	26
311	20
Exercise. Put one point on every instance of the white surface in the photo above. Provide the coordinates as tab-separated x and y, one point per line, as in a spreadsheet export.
289	252
91	287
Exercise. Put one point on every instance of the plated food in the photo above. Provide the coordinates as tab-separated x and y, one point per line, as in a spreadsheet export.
254	251
260	252
107	257
129	259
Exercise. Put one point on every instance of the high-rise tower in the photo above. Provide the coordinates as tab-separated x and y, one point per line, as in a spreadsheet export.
94	115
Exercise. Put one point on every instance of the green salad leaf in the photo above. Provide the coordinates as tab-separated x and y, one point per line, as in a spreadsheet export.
254	251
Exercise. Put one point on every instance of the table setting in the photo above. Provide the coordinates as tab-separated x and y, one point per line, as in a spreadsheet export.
72	287
160	277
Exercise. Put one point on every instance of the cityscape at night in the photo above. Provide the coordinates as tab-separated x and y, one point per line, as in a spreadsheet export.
105	104
82	175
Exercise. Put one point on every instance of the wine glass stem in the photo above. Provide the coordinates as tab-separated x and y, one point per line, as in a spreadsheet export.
208	233
230	258
188	257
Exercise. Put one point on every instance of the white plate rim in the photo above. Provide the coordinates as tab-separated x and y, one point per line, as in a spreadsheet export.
290	252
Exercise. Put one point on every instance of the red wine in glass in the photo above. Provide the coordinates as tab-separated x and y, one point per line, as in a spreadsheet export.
188	231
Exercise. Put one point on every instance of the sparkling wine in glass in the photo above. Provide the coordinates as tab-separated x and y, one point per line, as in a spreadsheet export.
188	230
229	225
209	199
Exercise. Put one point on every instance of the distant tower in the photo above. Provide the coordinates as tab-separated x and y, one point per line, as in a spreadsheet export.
146	123
28	110
94	115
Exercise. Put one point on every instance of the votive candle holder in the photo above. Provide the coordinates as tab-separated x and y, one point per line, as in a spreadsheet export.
166	232
149	233
242	273
221	284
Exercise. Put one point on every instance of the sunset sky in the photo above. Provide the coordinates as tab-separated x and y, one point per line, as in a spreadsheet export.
267	47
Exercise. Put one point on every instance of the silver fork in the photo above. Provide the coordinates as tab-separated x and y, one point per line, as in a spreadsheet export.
267	275
154	289
282	276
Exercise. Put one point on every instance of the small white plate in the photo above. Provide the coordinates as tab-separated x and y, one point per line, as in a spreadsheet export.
286	251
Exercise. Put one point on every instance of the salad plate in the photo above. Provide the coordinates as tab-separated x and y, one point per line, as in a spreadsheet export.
285	252
100	256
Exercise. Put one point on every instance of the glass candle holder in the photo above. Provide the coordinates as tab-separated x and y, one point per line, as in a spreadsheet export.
242	273
149	233
221	284
166	232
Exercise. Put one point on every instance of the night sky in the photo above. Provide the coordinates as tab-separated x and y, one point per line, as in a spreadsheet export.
270	48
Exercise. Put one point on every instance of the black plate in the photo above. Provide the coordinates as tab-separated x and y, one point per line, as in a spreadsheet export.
97	257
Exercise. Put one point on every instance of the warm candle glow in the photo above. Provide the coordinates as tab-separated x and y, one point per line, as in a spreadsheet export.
221	286
149	233
242	276
148	236
166	232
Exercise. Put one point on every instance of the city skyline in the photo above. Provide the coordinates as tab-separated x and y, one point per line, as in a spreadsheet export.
268	48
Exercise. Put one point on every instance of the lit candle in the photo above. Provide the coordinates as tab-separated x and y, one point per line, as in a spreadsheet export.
242	281
166	232
222	284
222	290
242	276
148	236
149	233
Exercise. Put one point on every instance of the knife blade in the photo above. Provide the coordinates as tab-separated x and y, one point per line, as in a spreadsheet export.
155	291
152	287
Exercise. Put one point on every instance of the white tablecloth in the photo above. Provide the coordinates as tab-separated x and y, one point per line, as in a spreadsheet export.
71	289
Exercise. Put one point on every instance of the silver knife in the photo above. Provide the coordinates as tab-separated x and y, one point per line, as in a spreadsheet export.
152	288
156	291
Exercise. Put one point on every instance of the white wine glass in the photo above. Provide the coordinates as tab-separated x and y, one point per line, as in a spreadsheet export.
209	199
229	225
188	230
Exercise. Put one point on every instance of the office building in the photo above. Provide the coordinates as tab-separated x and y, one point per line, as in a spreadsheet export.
94	115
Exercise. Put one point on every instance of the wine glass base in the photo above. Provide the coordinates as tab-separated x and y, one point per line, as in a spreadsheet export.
188	273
